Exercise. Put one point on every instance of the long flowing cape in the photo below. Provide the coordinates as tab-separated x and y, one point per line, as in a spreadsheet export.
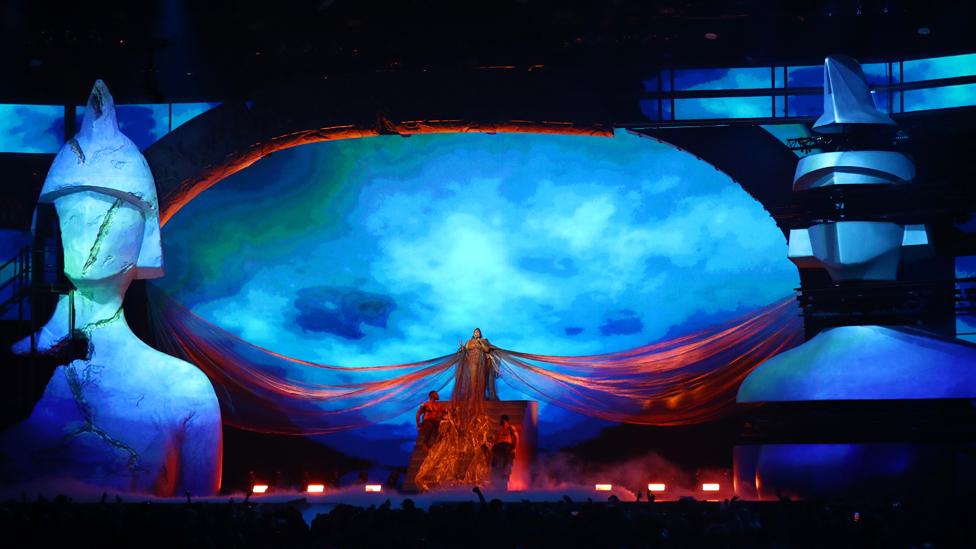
683	380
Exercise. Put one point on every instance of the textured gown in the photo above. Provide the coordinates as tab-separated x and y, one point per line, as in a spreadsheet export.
461	455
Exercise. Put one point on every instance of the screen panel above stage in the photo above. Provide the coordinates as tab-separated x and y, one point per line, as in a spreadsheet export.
386	250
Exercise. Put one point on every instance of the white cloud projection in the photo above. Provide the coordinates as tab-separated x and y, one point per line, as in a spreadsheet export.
389	250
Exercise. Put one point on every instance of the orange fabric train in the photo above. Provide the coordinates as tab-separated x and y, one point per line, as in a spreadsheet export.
684	380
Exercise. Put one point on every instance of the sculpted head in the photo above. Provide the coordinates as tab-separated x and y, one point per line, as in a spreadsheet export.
105	196
102	235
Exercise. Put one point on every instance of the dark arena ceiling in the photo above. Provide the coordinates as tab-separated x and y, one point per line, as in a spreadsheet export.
180	50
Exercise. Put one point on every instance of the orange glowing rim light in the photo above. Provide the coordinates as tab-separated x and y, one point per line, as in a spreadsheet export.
259	488
710	487
603	487
315	488
374	488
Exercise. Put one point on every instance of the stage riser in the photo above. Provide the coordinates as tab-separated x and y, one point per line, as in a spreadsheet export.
882	448
879	470
524	414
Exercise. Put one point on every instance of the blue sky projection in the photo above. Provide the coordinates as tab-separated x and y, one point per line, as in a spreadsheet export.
388	250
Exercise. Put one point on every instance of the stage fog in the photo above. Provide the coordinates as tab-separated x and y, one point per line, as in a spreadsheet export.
389	250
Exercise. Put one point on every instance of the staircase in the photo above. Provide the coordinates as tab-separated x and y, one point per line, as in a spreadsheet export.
31	282
17	311
524	415
15	286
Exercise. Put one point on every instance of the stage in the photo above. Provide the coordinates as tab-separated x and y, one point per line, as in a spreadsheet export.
652	277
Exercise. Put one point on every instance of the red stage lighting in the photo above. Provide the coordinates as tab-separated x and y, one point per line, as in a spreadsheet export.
710	487
656	487
315	488
259	488
374	488
603	487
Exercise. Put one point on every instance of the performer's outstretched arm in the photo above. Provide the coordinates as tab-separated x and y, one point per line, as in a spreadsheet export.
485	346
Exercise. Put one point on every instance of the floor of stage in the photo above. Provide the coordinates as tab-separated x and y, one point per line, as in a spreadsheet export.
312	504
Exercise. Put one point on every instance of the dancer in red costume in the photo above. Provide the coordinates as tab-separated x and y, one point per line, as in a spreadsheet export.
429	418
503	453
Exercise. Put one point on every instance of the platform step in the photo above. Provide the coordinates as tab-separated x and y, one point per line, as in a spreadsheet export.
524	414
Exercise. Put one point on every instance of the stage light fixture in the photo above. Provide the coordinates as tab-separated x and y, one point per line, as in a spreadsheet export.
259	488
374	488
924	31
711	36
315	488
710	487
603	487
656	487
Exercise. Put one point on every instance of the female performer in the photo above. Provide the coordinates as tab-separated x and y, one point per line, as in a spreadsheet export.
461	456
476	371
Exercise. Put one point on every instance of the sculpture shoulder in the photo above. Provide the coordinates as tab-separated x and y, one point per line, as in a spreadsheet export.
190	391
176	377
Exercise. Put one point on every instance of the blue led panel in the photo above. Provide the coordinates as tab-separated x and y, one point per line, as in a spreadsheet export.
963	95
185	111
723	107
804	77
723	79
144	124
31	128
940	67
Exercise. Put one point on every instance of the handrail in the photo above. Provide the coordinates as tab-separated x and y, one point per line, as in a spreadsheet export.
19	279
8	282
22	251
14	298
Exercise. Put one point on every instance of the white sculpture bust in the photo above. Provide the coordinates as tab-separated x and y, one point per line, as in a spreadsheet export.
128	417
